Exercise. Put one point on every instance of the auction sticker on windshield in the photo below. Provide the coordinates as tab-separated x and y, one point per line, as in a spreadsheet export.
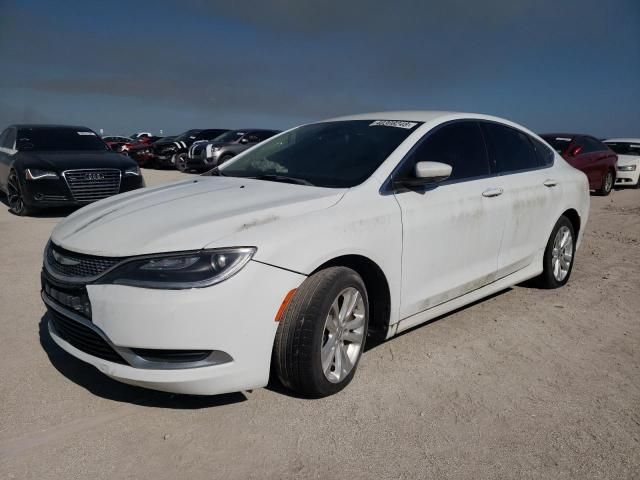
393	123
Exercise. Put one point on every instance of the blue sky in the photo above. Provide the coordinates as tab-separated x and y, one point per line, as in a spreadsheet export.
174	65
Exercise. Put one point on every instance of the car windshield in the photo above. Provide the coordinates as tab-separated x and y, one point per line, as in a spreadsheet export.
230	136
625	148
330	154
559	144
58	139
188	135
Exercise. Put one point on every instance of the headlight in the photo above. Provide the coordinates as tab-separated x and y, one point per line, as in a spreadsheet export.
185	270
626	168
35	174
132	171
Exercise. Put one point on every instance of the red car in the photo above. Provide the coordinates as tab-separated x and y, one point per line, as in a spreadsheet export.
115	142
141	151
143	139
589	155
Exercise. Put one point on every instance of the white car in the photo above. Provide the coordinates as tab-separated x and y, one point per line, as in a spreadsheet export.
292	253
628	167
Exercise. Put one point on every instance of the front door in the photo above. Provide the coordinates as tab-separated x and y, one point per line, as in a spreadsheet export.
451	231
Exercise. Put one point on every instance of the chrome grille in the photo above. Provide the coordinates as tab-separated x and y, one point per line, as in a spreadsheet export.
89	185
63	263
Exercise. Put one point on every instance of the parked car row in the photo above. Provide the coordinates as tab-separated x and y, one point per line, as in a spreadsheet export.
196	149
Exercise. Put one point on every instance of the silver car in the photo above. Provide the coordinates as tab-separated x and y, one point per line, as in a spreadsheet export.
205	155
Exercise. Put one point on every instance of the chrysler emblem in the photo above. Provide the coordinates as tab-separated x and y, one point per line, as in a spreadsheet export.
94	176
62	260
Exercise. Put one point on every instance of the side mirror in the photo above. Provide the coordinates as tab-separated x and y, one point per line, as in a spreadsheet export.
575	151
244	140
426	173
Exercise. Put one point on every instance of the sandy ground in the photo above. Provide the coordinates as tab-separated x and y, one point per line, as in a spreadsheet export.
527	384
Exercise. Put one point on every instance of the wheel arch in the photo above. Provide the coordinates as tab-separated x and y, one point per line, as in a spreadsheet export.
574	218
377	287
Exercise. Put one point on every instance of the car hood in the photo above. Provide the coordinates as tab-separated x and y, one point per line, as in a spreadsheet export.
60	161
628	160
186	215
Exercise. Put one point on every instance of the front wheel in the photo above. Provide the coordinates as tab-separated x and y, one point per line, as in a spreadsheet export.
558	255
225	158
607	184
322	333
181	162
15	197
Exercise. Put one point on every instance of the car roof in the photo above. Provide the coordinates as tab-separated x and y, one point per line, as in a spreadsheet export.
623	140
412	115
426	116
566	135
254	130
43	125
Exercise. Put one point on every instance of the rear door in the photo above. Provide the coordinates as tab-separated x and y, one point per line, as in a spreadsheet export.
528	191
451	231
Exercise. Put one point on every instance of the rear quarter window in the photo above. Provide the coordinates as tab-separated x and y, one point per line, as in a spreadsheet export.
545	154
509	149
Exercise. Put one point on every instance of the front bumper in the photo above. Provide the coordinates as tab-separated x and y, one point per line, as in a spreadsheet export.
201	162
235	317
625	178
56	193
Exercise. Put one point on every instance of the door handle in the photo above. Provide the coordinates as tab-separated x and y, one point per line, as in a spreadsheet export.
493	192
550	183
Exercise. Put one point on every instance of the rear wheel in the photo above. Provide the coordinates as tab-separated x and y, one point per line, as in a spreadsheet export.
559	255
15	196
322	333
607	184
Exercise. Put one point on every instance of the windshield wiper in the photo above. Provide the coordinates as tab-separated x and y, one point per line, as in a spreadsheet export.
284	179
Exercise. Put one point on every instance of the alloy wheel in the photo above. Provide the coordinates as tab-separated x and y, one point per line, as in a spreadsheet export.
608	182
343	335
181	162
562	254
16	202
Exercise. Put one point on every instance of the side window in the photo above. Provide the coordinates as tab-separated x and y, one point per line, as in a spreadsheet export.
3	135
544	153
458	144
252	138
509	149
10	139
593	145
208	135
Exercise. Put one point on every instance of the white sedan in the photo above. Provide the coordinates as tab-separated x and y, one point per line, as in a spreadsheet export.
628	167
289	256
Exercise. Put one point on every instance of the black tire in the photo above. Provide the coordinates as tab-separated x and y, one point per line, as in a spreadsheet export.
301	332
548	279
607	184
15	197
224	158
181	162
